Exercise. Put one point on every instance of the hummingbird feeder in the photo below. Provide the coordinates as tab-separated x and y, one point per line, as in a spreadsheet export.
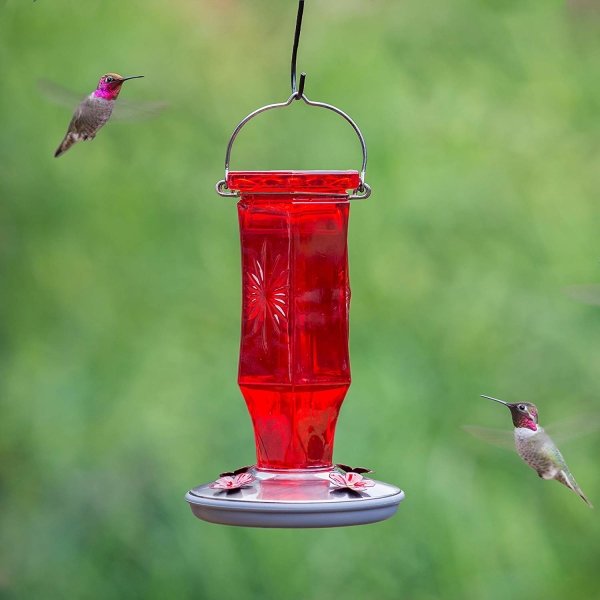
294	368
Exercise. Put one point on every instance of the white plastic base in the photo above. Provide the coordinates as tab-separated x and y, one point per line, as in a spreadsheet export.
294	499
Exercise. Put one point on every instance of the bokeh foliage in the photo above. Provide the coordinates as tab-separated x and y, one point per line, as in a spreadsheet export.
120	293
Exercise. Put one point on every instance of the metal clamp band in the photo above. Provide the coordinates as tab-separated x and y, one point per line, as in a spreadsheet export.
362	191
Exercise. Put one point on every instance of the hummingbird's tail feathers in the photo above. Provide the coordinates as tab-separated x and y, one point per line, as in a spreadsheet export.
567	479
584	498
67	142
580	493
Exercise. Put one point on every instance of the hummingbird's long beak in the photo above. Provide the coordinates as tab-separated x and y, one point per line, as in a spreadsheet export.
495	399
132	77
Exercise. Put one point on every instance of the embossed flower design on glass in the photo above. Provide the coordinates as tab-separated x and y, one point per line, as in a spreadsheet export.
267	295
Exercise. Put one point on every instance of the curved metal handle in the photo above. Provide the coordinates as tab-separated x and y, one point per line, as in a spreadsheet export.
361	192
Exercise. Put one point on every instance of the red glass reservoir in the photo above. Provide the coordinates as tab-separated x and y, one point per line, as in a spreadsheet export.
294	368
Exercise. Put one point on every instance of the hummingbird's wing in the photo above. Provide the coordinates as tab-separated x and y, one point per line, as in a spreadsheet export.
124	110
58	94
561	432
574	428
497	437
127	110
588	294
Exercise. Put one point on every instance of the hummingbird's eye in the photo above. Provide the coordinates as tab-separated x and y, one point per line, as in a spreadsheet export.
109	79
521	407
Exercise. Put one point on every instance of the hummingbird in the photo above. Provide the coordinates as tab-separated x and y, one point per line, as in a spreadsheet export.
94	111
536	447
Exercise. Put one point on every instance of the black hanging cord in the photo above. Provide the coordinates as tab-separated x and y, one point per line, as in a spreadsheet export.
297	90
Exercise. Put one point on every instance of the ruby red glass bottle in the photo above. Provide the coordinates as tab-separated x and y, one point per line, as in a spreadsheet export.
294	368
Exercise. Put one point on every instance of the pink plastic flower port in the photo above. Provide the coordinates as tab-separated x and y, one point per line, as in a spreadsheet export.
235	482
350	481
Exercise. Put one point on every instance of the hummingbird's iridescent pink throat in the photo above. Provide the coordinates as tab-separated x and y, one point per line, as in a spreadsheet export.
109	86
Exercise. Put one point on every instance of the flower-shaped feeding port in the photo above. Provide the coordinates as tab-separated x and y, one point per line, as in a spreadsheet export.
352	482
233	481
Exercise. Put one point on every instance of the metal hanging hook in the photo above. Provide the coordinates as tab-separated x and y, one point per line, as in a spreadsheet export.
363	190
297	91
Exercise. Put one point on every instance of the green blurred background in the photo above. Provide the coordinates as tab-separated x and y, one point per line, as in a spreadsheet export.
120	293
